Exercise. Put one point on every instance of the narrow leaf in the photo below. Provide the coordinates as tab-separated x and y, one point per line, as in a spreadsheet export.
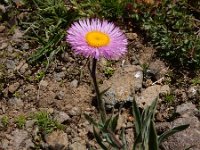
153	141
99	139
172	131
137	116
91	120
114	122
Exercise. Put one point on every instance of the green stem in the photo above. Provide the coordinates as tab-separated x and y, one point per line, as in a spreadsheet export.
100	102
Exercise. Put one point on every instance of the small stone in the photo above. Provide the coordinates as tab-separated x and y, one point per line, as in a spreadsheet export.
57	139
61	117
13	87
74	83
28	144
59	76
17	103
77	146
186	109
10	64
193	92
131	36
18	136
75	111
148	96
2	28
3	46
43	83
23	68
25	46
60	95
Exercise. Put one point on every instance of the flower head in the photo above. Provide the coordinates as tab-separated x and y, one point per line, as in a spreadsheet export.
95	38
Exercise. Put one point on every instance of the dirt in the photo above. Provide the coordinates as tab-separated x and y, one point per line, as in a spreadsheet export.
66	87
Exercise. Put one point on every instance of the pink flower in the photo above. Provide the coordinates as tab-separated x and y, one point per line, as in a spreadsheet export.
95	38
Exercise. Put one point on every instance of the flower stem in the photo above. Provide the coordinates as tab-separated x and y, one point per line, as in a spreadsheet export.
100	102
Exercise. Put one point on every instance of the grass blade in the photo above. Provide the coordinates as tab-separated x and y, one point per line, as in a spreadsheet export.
172	131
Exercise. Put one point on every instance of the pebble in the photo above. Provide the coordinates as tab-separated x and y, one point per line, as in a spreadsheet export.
25	46
3	46
75	111
57	138
59	76
13	87
17	103
74	83
60	95
2	28
61	117
10	64
77	146
43	83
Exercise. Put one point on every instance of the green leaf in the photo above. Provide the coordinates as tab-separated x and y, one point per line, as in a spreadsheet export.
123	139
172	131
99	139
137	115
114	122
91	120
153	140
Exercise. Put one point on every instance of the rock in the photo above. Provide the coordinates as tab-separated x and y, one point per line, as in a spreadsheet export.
61	117
2	28
25	46
13	87
59	76
77	146
193	92
75	111
3	46
185	138
74	83
43	83
60	95
17	103
150	94
23	68
57	139
4	144
28	144
131	36
18	136
186	109
158	69
18	35
124	82
10	64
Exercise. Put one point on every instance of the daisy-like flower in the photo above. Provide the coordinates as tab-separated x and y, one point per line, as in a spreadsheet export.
95	38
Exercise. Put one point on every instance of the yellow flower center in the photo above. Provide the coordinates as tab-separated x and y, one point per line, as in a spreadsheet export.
97	39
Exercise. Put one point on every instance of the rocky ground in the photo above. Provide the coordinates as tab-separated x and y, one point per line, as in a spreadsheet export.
65	92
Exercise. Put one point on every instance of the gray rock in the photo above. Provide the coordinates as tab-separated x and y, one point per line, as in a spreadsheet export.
61	116
77	146
60	95
193	92
17	103
75	111
186	138
74	83
3	46
57	139
131	36
18	136
59	76
27	144
25	46
10	64
150	94
23	68
186	109
13	87
44	83
2	28
124	82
